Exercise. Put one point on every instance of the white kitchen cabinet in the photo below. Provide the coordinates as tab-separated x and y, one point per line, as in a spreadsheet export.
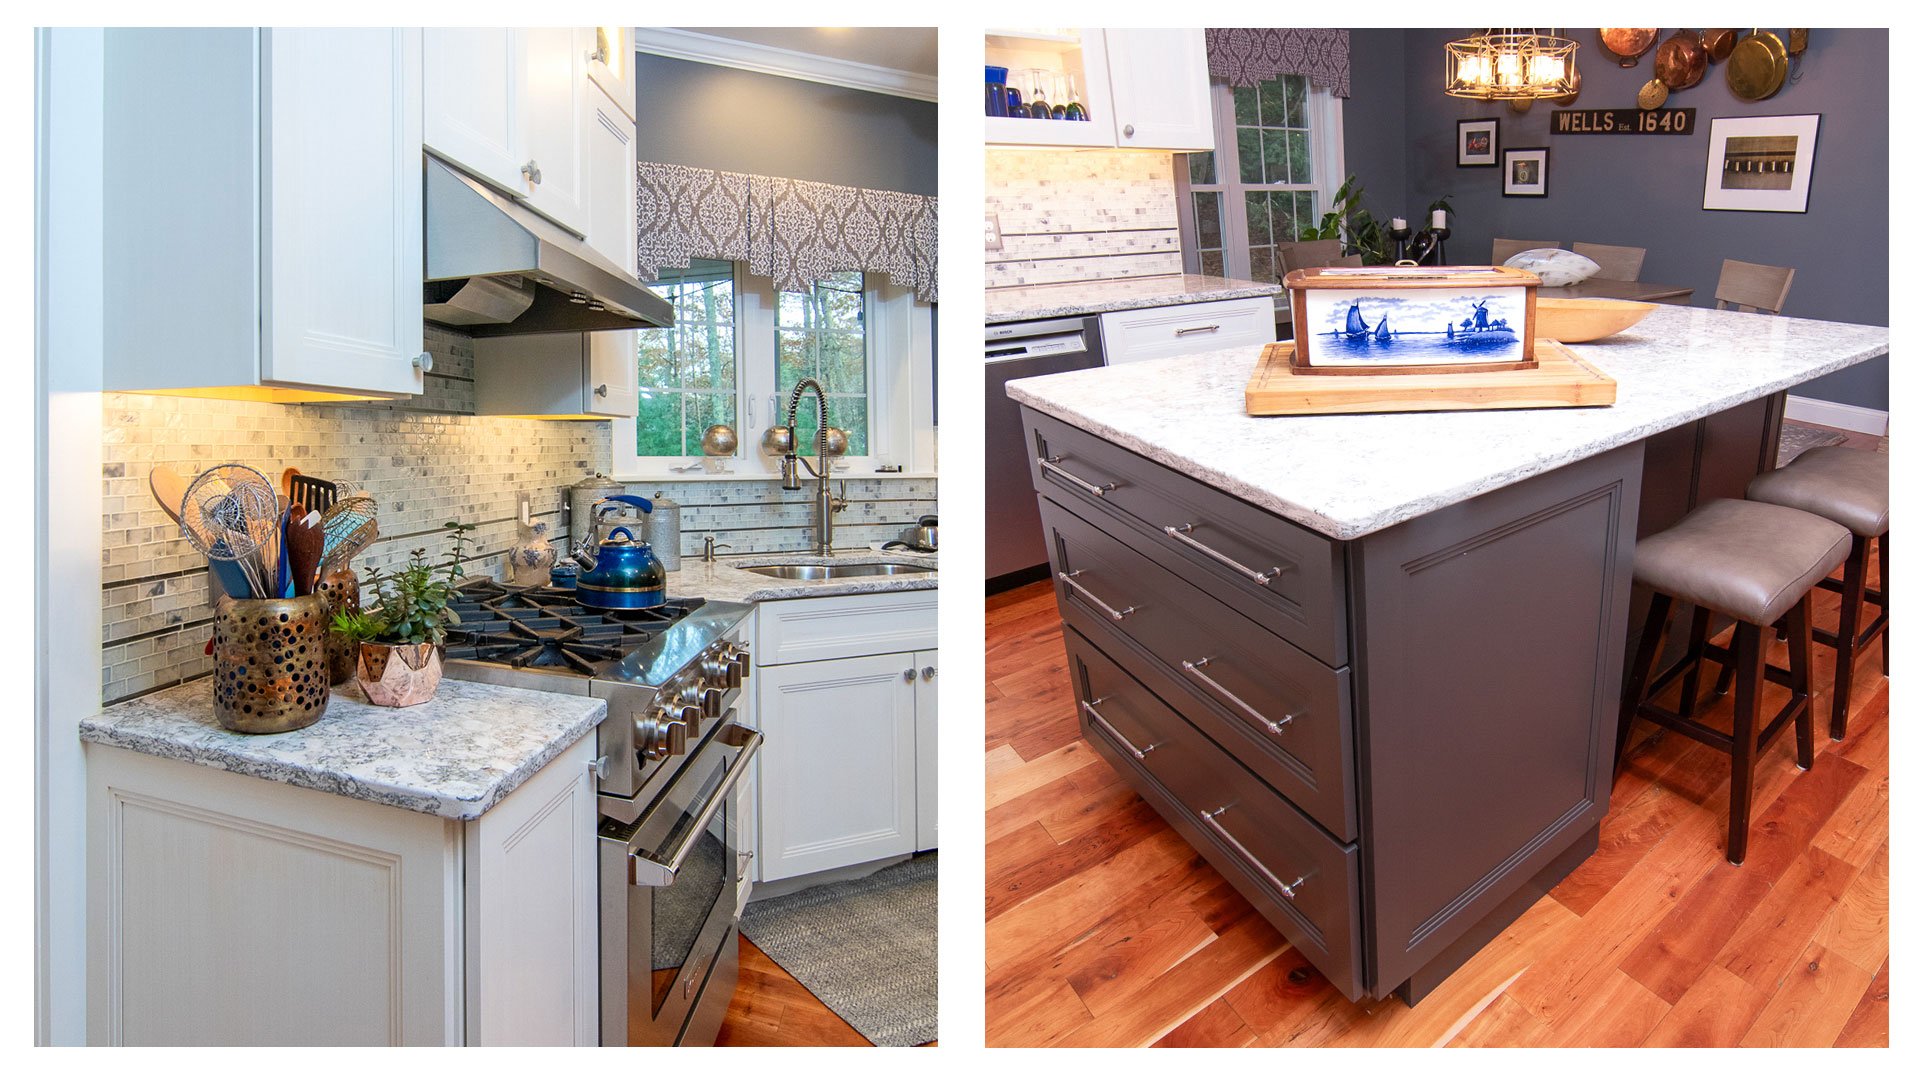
1080	54
226	909
610	181
610	65
263	209
1159	81
555	119
1179	329
846	774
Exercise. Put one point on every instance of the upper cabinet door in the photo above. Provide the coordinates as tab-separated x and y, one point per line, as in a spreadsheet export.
1159	80
610	182
473	85
555	119
342	268
610	63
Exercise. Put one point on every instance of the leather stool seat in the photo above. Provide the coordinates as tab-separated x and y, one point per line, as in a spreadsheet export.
1838	483
1751	561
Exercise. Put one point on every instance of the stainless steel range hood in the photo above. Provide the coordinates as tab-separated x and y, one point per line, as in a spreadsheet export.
496	268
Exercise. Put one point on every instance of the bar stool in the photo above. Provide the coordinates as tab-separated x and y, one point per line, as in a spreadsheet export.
1757	564
1850	487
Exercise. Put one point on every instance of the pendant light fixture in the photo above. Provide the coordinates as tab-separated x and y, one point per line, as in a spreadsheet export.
1511	65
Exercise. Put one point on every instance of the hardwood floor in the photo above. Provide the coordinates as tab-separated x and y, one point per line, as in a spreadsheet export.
1104	928
771	1008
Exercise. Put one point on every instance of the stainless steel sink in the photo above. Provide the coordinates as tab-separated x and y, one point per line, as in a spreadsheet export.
828	571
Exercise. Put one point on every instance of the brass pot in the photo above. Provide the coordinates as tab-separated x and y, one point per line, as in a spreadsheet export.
269	664
341	591
399	675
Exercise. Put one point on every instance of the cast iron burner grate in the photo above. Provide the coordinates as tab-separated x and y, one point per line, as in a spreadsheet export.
543	627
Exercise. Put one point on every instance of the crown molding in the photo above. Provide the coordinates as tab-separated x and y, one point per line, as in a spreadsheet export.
787	63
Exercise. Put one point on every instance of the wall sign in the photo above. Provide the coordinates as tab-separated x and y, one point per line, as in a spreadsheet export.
1623	121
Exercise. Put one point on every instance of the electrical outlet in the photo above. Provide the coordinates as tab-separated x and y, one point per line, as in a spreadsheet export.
993	232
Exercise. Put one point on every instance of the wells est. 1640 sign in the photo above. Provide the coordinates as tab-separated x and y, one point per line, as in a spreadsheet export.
1622	121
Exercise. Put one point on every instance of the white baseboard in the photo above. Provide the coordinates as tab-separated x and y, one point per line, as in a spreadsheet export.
1834	414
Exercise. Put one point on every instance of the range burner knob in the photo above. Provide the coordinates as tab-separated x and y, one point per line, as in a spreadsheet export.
743	659
662	737
713	700
716	671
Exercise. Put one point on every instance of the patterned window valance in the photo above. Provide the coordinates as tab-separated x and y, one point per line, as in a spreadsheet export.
793	231
1247	57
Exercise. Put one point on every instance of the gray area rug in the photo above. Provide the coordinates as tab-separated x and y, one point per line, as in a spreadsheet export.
1797	439
868	949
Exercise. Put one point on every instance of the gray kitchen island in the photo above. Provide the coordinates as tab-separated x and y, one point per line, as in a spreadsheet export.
1369	666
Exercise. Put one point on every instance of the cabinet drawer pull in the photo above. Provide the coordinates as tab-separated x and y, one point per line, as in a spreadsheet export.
1213	822
1184	331
1125	743
1183	534
1192	668
1051	464
1112	613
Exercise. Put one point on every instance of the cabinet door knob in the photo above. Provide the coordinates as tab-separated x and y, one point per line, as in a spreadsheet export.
600	391
926	673
531	170
423	363
1127	131
912	674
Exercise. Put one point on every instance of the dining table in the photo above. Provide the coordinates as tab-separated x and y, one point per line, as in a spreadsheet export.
1613	289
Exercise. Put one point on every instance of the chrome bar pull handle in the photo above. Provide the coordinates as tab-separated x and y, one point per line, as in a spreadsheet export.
1125	743
1192	668
1208	329
1052	465
1116	614
1212	818
1184	534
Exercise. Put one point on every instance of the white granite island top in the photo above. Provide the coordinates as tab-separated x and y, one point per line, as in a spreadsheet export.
726	579
1020	302
1347	476
453	757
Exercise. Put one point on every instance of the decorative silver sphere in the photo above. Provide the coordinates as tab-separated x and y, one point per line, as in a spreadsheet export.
719	440
836	442
778	440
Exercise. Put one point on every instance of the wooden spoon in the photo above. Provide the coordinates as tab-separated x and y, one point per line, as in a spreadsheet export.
169	490
305	538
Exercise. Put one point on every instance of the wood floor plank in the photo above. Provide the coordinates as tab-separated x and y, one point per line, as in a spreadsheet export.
1281	995
1857	928
1812	1008
1214	1026
1620	1012
1049	799
1024	869
1869	1024
1013	782
1716	1010
1034	1014
1782	924
1504	1022
1151	1009
1056	917
771	1008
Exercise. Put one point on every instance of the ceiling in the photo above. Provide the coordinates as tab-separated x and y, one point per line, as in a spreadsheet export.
912	49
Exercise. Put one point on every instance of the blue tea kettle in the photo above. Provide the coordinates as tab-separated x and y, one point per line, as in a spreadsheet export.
626	574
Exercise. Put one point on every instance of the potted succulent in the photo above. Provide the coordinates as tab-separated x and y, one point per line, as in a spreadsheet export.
399	635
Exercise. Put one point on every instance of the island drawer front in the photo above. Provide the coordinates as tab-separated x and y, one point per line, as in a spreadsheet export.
1253	837
1218	544
1282	713
1179	329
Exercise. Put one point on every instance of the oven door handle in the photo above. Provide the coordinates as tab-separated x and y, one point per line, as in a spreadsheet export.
662	871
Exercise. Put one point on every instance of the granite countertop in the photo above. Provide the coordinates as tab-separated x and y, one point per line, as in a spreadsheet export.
1347	476
725	579
453	757
1021	302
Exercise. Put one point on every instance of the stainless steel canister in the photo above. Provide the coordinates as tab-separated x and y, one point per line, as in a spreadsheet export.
580	500
662	531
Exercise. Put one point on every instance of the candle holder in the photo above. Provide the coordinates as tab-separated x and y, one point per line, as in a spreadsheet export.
1399	237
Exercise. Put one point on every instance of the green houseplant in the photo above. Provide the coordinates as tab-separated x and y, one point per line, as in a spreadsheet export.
399	635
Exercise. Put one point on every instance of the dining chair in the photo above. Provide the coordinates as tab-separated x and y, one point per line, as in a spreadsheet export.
1616	263
1746	286
1305	254
1507	249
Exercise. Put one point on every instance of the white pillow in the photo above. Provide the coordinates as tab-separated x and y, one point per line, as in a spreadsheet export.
1555	266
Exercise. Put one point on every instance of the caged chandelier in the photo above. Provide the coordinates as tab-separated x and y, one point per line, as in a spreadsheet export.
1511	65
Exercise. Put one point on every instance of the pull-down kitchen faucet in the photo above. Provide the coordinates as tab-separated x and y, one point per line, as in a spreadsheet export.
824	501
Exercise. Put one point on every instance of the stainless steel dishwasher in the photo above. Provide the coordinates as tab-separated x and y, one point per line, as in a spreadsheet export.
1016	548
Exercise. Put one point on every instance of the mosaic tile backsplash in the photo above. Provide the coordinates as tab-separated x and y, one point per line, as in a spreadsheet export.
426	460
1081	215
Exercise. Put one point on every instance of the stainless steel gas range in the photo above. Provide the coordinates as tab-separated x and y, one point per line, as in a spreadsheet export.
672	754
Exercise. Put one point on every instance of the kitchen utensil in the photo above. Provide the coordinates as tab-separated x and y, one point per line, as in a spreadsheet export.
306	540
350	525
269	663
626	576
924	536
230	513
1681	60
1757	67
1719	43
1653	93
1585	320
169	490
309	491
1627	43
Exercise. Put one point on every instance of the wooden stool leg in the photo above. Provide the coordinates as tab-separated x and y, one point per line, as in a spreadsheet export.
1853	586
1800	675
1652	636
1696	641
1886	665
1725	682
1746	706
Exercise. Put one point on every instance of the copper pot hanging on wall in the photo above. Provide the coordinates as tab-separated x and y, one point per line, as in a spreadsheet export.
1626	44
1681	60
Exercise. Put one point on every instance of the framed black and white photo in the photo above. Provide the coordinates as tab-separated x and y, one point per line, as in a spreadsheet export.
1479	143
1523	172
1761	163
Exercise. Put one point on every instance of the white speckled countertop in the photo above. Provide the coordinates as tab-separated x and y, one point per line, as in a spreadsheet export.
1020	302
454	757
1347	476
725	579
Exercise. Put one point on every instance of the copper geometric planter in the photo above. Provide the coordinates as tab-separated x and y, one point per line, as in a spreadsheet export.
399	675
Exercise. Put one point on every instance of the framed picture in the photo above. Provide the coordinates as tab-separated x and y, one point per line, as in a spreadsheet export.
1523	172
1760	163
1479	143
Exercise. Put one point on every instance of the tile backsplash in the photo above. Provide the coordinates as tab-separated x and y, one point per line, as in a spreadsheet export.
1081	215
426	460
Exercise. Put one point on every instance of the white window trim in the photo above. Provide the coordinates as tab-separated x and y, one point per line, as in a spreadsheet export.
898	337
1326	129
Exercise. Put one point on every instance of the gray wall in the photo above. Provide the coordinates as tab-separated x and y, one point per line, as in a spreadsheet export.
1375	118
743	121
1646	190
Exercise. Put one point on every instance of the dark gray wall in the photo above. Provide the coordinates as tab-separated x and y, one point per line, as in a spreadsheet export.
742	121
1646	190
1375	119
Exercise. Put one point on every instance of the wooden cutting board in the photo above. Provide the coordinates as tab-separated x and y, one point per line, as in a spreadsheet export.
1562	380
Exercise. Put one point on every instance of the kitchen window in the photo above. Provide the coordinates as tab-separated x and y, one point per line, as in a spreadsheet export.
823	336
688	371
1278	160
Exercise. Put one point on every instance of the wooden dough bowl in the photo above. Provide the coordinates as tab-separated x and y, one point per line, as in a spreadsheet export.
1585	320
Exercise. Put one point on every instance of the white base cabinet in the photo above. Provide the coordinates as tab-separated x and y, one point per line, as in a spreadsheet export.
230	910
846	776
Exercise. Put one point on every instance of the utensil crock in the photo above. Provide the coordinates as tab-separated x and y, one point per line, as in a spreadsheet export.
270	664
